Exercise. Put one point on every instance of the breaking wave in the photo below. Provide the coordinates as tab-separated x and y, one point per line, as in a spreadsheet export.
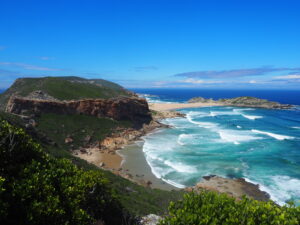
276	136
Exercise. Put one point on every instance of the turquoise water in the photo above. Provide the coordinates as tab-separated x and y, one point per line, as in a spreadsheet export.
260	145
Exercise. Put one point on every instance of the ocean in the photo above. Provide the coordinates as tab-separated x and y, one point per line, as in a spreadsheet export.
260	145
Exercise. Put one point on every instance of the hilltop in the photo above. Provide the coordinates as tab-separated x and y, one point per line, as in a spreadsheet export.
63	88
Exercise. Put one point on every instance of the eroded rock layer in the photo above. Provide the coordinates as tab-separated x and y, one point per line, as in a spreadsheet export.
121	108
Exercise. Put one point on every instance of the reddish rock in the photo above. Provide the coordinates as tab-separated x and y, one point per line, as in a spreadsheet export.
121	108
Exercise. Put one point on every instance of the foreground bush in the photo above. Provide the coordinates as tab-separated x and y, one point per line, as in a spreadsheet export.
213	208
38	189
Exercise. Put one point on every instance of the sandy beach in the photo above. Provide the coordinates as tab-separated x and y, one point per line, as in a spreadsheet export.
174	106
101	159
135	163
128	160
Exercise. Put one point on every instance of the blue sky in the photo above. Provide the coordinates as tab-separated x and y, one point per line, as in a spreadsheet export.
154	43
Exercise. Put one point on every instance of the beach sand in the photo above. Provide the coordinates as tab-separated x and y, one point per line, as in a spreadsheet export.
174	106
136	164
129	162
96	157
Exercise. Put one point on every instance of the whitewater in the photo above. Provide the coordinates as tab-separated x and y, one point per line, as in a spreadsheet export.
260	145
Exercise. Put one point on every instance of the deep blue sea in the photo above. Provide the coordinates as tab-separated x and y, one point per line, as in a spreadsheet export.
260	145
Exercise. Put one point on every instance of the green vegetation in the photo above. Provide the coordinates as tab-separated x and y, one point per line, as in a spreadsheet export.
213	208
132	200
79	127
64	88
38	189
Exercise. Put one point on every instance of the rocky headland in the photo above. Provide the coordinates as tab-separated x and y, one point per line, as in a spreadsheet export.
243	102
236	188
121	108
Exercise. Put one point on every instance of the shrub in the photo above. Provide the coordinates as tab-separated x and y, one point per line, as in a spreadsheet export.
38	189
213	208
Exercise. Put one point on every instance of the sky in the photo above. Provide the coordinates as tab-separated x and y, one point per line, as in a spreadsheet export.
226	44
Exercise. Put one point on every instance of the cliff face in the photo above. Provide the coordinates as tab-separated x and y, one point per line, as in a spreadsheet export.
121	108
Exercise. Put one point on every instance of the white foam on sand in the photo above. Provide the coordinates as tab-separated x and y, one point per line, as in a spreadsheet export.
180	167
276	136
173	183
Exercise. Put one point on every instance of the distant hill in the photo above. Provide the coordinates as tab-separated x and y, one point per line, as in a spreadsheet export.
64	88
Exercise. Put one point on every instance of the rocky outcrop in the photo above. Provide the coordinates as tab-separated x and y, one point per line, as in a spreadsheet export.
40	95
121	108
160	115
236	188
124	137
243	102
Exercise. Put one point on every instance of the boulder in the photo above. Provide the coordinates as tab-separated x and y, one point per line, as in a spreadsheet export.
69	140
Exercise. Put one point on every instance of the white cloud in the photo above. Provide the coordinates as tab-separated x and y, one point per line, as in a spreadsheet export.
292	76
195	81
28	66
252	82
46	58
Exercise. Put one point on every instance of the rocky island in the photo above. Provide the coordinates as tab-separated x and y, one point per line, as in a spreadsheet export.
242	102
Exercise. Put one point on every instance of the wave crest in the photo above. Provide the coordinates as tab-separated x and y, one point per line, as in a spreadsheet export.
276	136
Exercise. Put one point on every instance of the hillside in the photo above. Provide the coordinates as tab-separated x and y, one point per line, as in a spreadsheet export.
64	88
97	109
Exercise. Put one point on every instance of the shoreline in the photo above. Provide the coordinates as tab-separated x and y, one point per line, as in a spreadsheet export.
164	107
111	153
122	154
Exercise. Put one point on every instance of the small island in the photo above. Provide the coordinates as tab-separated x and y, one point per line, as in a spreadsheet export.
245	101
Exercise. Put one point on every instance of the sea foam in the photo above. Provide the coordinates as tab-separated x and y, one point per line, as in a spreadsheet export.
181	138
236	136
276	136
251	117
173	183
283	188
180	167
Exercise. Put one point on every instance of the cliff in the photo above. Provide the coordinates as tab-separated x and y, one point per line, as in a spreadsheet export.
243	102
121	108
63	88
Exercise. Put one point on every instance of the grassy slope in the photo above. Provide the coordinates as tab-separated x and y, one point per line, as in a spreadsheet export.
64	88
137	199
58	127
